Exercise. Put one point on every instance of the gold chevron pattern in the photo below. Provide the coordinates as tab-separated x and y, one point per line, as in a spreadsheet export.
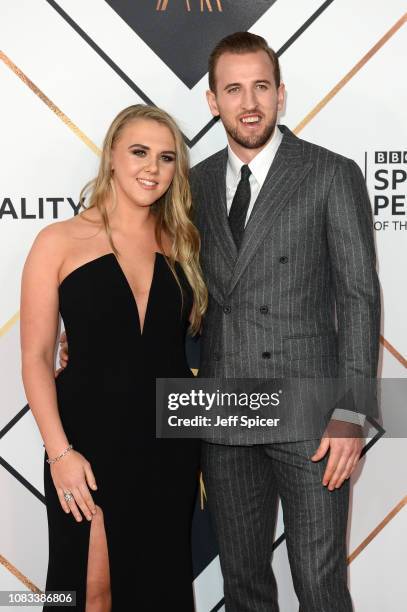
162	5
331	94
19	575
53	107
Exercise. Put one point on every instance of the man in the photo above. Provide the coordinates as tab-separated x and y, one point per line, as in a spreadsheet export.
286	238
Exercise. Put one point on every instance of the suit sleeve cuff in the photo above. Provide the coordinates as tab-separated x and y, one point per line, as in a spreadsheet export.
340	414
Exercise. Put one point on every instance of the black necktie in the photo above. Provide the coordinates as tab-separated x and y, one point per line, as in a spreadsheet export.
240	204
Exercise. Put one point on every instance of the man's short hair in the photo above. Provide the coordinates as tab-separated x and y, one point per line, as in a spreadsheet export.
241	42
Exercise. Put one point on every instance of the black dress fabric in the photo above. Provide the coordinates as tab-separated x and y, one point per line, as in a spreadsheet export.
106	400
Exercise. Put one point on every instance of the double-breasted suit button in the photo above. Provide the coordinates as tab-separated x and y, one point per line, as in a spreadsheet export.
283	259
266	355
264	309
227	309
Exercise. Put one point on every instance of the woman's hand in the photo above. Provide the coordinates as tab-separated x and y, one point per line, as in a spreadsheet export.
73	474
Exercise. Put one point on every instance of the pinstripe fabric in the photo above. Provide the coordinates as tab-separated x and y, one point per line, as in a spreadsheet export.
242	483
307	256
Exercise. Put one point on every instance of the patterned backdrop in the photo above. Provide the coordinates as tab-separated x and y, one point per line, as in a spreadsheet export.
66	69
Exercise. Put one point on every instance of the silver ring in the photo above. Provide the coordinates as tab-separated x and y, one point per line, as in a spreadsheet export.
68	496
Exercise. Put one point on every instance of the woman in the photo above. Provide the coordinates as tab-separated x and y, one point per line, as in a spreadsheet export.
124	274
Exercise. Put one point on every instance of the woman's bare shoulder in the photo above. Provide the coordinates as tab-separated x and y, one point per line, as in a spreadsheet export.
51	236
56	239
61	232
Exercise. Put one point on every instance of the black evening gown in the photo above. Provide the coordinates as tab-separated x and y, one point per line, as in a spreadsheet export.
106	399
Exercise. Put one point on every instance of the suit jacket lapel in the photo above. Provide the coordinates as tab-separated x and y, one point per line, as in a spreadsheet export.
286	172
217	211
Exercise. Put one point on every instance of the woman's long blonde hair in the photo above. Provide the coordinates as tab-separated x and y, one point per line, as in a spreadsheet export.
173	211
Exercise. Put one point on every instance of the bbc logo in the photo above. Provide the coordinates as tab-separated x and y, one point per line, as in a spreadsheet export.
390	157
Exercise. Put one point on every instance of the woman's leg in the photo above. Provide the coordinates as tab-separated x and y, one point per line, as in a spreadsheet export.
98	595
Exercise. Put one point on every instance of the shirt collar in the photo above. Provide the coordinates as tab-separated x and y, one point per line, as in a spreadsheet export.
260	164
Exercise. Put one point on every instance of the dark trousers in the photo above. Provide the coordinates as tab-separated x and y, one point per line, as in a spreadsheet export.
242	485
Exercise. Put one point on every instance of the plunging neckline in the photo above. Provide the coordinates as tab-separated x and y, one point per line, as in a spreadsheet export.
125	282
129	287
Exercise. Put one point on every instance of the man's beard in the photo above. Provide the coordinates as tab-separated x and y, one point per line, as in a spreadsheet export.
256	141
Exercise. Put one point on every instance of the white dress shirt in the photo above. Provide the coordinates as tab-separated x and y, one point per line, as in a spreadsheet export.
259	167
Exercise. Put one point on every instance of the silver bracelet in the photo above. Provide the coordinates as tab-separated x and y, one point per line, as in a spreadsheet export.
50	461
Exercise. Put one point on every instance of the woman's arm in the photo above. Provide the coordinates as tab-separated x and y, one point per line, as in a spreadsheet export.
39	325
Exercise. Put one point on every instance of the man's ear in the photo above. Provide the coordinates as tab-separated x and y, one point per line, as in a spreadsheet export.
211	98
281	97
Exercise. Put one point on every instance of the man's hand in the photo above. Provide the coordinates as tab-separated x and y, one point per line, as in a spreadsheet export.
63	353
345	442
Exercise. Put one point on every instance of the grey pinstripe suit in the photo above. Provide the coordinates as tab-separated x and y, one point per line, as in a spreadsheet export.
307	258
